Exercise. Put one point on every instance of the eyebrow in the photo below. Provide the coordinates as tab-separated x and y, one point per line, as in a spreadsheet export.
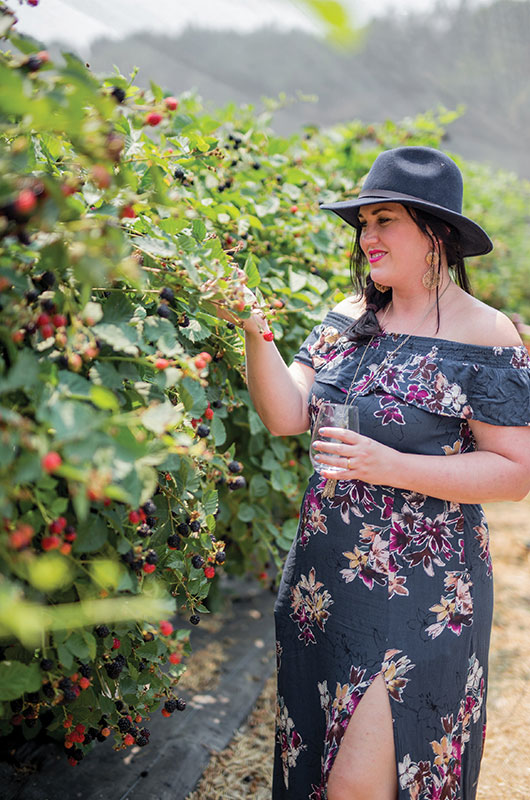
376	211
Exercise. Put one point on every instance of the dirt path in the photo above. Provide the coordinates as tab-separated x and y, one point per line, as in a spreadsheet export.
244	768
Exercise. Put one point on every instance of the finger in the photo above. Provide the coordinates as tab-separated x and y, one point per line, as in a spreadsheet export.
337	448
343	434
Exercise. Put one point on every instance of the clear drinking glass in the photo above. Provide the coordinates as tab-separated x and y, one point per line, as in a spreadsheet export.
332	415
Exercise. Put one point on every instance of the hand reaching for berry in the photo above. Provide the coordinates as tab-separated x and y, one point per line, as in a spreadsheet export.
237	297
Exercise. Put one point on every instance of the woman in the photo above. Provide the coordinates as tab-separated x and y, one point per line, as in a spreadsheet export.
384	610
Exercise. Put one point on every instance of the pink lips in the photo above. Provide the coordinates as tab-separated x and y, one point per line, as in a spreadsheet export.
375	255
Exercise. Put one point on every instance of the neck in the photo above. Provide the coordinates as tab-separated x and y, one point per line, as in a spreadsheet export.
414	309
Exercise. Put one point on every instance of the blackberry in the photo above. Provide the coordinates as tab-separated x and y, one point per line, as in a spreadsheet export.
69	695
16	705
170	705
181	704
151	557
85	670
46	664
179	174
120	705
167	294
230	326
121	661
32	697
183	529
145	732
142	665
235	466
220	557
118	94
184	321
143	530
113	670
30	328
76	754
47	279
217	404
151	521
197	561
47	718
102	631
33	63
101	738
62	362
48	690
137	565
149	508
124	725
103	722
29	712
141	741
237	483
195	619
48	305
174	541
65	683
31	295
91	734
127	558
195	526
256	165
203	431
163	311
31	722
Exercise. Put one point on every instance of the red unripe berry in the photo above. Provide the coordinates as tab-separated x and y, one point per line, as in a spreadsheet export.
107	501
175	658
148	568
292	462
67	190
166	713
25	202
100	176
65	548
59	320
269	336
105	732
50	542
200	363
68	744
134	517
206	356
166	628
294	209
153	118
58	525
128	739
172	103
240	305
116	644
51	461
33	2
46	331
18	336
209	572
208	413
43	55
71	760
263	576
161	363
17	719
90	352
84	683
80	728
43	319
21	537
142	514
71	536
128	212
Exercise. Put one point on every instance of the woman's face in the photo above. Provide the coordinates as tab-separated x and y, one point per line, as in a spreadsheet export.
393	244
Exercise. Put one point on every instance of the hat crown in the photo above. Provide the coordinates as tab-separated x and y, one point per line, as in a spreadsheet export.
419	172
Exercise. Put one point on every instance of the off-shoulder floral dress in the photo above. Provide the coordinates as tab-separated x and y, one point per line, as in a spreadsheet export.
387	581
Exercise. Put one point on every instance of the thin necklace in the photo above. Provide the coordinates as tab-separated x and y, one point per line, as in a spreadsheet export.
331	483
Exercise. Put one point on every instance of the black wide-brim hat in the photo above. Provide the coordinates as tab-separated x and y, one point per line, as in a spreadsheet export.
421	177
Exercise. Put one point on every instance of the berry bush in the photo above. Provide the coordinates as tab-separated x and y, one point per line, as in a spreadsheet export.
134	470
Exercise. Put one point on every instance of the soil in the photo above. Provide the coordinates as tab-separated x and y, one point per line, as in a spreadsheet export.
244	768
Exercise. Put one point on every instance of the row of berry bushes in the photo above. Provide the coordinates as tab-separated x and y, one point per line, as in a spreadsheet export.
134	470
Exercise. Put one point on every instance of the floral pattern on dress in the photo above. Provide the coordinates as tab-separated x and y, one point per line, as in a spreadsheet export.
455	608
309	606
369	562
288	738
313	518
440	779
483	538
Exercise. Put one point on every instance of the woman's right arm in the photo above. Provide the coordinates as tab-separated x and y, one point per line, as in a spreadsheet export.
279	393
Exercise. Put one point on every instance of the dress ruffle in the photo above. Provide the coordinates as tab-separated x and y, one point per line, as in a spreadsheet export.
488	384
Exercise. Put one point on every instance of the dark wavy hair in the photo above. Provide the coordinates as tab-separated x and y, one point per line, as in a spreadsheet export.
438	231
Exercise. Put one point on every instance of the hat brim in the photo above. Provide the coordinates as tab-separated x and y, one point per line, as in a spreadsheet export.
475	240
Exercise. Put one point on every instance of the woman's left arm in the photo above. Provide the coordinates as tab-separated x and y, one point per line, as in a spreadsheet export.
498	470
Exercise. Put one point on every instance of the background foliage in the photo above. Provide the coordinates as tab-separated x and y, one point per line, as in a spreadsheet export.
134	469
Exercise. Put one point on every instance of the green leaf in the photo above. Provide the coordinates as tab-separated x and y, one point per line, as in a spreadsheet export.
218	431
17	678
199	230
104	398
122	338
160	417
259	486
245	512
91	534
24	374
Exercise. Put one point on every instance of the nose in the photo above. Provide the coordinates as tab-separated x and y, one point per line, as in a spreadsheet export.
368	233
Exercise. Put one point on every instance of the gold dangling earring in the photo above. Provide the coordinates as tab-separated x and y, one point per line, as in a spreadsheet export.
381	287
431	279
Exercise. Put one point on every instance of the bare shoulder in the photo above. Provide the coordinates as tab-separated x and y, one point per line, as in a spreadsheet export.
352	306
481	324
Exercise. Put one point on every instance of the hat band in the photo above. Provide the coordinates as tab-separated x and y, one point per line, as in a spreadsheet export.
386	193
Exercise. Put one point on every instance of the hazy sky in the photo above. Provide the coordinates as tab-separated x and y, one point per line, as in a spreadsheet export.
78	22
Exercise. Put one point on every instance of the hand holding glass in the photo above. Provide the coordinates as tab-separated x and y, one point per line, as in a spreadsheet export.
332	415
